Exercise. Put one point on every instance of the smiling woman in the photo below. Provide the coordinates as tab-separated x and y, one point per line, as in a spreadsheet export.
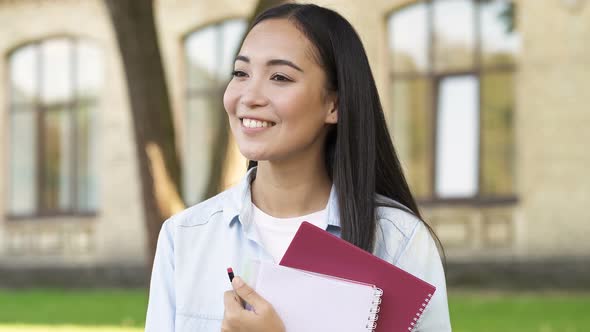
304	109
276	82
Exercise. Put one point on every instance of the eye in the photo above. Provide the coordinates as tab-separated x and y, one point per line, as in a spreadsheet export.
238	73
280	78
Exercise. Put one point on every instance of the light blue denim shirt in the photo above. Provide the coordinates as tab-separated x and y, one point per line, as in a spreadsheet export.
196	246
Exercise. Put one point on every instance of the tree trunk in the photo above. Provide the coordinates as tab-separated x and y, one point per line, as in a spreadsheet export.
158	163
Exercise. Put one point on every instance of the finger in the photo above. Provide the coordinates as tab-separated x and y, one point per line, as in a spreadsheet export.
232	302
248	294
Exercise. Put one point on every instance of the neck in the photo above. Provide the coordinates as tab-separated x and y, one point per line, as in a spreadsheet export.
285	190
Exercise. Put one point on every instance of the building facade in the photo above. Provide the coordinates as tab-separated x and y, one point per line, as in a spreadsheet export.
487	103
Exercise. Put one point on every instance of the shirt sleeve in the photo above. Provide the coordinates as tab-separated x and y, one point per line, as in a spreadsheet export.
161	305
421	258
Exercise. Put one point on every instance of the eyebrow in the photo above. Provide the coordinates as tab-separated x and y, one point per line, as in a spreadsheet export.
272	62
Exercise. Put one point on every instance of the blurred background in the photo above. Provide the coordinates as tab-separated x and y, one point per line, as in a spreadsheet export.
111	120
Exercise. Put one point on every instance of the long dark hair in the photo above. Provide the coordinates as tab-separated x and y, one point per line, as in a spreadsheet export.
359	154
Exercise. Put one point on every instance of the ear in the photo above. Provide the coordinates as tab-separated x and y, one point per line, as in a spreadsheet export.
332	114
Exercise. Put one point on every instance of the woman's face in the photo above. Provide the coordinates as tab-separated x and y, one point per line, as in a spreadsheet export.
276	102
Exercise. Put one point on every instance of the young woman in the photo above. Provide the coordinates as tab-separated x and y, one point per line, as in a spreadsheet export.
304	110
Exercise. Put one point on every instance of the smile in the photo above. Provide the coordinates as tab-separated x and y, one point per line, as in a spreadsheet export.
253	123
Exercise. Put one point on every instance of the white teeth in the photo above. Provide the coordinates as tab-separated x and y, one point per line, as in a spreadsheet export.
250	123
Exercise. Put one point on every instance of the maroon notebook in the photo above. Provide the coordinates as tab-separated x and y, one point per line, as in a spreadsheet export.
404	296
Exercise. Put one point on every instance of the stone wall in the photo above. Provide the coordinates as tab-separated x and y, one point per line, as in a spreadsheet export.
553	115
116	234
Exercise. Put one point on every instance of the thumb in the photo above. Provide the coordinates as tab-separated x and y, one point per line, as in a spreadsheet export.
247	294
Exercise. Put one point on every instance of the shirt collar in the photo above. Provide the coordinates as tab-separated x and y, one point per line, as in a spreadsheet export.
239	207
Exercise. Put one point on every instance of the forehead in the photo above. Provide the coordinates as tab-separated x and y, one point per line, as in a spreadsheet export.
277	38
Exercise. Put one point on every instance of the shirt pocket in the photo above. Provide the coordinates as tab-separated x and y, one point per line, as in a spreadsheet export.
200	306
191	322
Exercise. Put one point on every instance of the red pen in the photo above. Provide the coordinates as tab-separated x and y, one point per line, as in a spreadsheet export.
230	274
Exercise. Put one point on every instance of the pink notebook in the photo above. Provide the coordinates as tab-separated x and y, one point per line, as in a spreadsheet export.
404	296
308	301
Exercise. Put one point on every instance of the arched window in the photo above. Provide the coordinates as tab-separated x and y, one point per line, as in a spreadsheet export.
54	88
209	54
452	97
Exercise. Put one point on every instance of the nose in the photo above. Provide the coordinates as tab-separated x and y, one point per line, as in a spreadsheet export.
253	95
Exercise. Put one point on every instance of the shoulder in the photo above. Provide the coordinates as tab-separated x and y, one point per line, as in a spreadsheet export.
397	229
391	215
201	213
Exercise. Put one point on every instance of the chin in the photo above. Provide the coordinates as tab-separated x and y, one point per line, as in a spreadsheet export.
252	154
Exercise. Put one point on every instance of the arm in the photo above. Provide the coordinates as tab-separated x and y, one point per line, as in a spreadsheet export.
421	258
162	299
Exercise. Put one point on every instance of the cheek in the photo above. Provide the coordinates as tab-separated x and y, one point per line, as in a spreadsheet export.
299	109
291	104
229	99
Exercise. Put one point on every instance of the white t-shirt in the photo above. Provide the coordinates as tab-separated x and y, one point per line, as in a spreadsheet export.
277	233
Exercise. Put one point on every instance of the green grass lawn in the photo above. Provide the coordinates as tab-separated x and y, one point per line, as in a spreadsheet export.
124	311
505	312
72	310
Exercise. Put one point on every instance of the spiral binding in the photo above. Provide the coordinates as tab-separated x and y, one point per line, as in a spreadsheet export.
418	315
373	312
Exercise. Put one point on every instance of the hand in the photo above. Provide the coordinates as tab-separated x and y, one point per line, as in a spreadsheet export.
237	319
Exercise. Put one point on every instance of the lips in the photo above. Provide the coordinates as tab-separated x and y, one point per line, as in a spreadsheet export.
256	123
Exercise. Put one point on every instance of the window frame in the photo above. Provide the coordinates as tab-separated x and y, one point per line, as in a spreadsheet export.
433	78
40	111
214	92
